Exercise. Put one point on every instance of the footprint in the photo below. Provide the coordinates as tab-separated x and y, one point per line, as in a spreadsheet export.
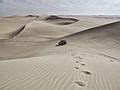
86	72
80	84
77	61
83	64
76	67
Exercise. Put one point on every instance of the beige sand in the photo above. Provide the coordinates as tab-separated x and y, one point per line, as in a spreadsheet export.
30	60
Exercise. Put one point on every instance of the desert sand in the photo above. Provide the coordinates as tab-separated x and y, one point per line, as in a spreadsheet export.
30	60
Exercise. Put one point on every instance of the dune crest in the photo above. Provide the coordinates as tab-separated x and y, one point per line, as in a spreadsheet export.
60	20
12	35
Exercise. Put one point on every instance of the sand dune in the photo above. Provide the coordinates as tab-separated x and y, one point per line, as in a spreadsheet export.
15	33
30	60
60	20
99	34
11	24
103	37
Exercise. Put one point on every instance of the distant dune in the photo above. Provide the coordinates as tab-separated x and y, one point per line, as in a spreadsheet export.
32	59
60	20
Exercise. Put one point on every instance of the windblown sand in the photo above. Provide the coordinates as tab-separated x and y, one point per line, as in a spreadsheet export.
30	60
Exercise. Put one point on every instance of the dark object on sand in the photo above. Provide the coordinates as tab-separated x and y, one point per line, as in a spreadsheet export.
62	42
29	16
32	16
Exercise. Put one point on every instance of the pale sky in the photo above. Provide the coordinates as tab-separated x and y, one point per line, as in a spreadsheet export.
23	7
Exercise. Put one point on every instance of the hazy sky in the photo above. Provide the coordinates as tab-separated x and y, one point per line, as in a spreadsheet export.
17	7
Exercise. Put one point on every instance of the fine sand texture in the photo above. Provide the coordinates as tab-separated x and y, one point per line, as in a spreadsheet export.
32	59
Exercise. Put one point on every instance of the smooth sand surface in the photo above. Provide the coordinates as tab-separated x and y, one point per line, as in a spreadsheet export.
30	60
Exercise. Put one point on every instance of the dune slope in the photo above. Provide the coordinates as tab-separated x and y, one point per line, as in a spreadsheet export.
11	24
105	38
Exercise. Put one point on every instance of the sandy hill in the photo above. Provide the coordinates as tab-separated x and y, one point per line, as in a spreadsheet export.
103	37
106	33
30	60
41	29
60	20
32	34
11	24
